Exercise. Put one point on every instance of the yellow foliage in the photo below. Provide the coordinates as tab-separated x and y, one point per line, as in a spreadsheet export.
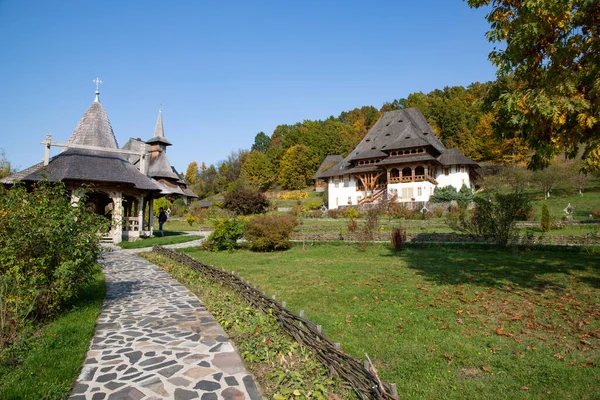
292	195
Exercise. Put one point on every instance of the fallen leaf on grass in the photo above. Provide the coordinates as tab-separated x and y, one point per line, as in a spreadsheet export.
486	369
459	320
525	388
559	356
500	331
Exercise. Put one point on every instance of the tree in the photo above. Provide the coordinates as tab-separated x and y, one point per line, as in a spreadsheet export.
550	177
548	87
257	170
545	222
297	167
191	173
242	201
5	169
261	143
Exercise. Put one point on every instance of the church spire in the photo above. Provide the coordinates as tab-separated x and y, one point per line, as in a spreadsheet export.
159	130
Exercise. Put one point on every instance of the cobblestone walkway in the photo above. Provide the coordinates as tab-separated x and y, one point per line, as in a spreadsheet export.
155	340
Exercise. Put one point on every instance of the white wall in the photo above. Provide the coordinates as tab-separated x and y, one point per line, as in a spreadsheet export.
406	195
454	178
339	196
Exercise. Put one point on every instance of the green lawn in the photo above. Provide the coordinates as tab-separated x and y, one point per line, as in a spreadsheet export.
171	237
177	225
445	323
45	361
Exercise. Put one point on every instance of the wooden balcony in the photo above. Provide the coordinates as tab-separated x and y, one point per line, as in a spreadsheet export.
415	178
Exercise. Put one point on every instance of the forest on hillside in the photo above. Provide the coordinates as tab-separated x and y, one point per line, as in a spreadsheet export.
291	154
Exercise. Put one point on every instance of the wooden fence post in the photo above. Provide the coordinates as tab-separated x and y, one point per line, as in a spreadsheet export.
394	390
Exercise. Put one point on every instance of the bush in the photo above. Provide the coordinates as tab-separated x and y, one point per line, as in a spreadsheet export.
596	213
496	215
449	193
161	202
48	250
312	205
545	222
178	208
225	234
242	201
293	195
270	232
398	239
352	226
351	213
335	214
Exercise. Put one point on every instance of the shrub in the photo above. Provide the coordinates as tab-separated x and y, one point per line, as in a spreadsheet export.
225	234
48	250
352	226
179	208
496	215
335	214
242	201
270	232
545	222
312	205
449	193
398	239
400	211
596	213
351	213
292	195
161	202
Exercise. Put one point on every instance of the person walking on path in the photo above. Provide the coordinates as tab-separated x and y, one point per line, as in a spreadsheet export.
162	218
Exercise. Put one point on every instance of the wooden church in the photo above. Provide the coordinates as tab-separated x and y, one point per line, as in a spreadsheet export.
114	186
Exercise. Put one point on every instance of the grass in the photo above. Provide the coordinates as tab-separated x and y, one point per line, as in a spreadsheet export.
558	201
46	359
171	237
312	197
281	366
447	323
177	225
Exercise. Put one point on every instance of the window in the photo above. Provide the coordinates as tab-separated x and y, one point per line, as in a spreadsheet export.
446	171
337	201
349	200
407	193
419	191
358	198
462	168
393	192
346	181
336	182
431	191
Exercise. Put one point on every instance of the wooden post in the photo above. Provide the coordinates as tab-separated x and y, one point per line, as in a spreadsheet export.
283	304
394	390
337	346
319	329
302	313
273	297
366	365
47	149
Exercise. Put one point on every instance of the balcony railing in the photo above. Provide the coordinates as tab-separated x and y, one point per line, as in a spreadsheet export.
416	178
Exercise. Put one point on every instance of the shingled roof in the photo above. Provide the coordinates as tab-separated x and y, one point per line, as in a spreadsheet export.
404	129
331	161
159	132
89	165
398	129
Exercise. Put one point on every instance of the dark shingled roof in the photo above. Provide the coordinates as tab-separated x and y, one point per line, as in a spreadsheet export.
399	129
94	129
455	157
328	163
404	129
160	167
159	132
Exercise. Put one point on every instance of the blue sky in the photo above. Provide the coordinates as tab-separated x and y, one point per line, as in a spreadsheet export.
223	71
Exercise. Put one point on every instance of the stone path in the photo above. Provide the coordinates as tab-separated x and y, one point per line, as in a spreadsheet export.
155	340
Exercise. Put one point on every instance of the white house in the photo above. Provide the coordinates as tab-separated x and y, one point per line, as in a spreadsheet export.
400	159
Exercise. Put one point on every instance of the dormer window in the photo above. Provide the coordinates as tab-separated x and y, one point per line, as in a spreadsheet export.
373	148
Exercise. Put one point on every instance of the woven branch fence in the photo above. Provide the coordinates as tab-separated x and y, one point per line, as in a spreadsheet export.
360	375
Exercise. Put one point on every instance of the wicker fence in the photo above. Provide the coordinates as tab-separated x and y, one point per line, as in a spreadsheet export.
362	376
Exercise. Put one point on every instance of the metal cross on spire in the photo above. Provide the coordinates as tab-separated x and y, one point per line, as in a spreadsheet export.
97	81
